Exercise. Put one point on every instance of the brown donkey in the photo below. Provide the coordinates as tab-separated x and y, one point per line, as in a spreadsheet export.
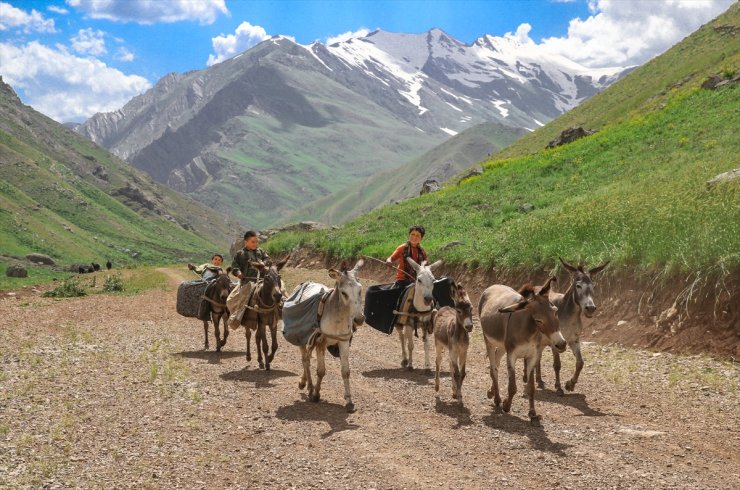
451	329
216	295
517	323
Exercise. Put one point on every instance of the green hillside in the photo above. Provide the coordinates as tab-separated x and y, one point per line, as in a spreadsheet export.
635	192
64	196
398	183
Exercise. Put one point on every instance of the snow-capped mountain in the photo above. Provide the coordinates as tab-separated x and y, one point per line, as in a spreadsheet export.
296	122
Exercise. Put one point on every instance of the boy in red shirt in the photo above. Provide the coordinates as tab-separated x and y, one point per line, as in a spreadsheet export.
405	275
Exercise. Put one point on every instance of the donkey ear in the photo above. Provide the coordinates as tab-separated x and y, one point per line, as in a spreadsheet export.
435	265
571	268
358	266
598	268
413	264
335	274
515	307
546	288
282	263
257	265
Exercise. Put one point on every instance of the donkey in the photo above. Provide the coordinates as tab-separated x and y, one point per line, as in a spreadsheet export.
517	323
342	312
451	329
422	306
576	300
216	295
263	311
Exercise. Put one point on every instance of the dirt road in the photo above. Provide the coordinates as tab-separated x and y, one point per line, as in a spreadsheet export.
115	392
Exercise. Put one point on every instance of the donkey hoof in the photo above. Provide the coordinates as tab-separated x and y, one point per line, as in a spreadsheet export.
570	386
314	397
409	367
404	363
489	394
559	392
350	407
262	365
454	396
301	385
541	385
506	406
534	420
249	358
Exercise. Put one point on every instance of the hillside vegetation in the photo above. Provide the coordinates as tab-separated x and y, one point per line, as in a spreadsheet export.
634	193
62	195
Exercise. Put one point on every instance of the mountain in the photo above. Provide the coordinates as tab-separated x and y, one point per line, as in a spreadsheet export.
62	195
396	184
635	192
283	124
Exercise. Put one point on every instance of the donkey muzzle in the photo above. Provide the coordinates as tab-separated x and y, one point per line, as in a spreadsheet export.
359	320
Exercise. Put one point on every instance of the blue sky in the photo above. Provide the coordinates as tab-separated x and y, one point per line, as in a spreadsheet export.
71	58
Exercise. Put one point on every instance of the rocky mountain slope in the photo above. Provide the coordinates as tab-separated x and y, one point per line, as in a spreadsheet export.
64	196
284	124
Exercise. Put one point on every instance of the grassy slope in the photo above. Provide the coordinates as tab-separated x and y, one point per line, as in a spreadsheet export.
46	184
634	193
402	182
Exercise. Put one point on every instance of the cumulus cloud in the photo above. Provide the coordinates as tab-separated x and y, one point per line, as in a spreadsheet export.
630	32
89	41
124	54
228	45
346	36
57	10
152	12
64	86
15	18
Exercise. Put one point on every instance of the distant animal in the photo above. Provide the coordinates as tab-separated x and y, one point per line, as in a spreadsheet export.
516	323
108	265
420	314
216	294
85	269
576	300
96	267
452	327
265	311
342	311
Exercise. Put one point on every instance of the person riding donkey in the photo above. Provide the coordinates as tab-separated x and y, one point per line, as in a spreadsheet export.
242	268
406	275
208	272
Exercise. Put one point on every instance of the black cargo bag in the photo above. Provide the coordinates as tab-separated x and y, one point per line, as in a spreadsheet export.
189	297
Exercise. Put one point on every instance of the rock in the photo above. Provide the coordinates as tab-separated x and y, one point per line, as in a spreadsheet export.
526	207
429	186
451	245
100	173
472	173
621	322
711	82
16	270
570	135
724	177
40	258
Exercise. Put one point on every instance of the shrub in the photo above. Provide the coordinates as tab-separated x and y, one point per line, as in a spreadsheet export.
68	289
113	283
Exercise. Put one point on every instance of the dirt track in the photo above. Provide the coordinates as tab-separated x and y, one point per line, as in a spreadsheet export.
114	391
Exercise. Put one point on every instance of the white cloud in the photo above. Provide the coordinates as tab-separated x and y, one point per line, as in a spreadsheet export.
124	54
346	36
89	41
630	32
152	11
57	10
11	18
226	46
64	86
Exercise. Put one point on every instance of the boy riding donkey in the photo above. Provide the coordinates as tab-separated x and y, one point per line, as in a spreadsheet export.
208	272
242	268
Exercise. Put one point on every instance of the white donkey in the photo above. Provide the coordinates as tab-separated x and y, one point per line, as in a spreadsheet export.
342	310
418	315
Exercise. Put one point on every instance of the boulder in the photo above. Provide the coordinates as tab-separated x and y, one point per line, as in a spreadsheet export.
570	135
40	259
526	207
724	177
429	186
472	173
16	270
711	82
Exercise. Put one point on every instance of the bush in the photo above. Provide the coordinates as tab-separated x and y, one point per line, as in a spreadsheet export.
113	283
70	288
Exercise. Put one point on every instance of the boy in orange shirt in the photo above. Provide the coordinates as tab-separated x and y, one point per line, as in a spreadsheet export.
405	275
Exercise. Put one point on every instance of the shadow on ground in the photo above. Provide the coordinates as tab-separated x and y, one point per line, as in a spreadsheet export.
212	357
453	409
575	400
418	376
260	378
332	413
535	433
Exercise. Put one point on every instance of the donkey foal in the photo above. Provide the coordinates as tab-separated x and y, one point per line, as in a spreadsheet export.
451	329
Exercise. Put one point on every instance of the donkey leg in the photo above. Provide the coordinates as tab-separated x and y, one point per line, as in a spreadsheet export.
274	346
454	373
427	364
216	317
538	371
248	337
344	360
205	333
556	368
510	363
402	338
462	359
439	346
265	348
408	332
576	348
225	322
524	374
494	356
306	376
530	393
320	372
258	334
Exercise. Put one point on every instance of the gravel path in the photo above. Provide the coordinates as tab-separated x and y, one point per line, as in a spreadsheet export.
113	391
